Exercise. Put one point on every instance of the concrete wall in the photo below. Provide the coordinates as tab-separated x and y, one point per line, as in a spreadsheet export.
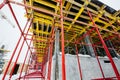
89	65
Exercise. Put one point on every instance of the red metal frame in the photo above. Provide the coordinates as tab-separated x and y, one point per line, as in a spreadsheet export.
100	66
50	53
80	70
62	42
41	74
19	51
13	54
105	47
2	4
25	57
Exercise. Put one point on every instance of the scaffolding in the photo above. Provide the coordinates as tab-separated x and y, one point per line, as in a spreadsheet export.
87	24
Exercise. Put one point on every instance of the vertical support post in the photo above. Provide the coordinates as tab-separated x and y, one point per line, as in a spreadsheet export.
62	43
105	47
11	58
25	57
97	59
50	54
13	14
2	4
20	50
80	71
13	53
27	71
50	61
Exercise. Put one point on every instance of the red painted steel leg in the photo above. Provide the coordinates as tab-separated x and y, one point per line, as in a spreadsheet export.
14	49
28	65
12	56
62	43
16	60
17	22
97	59
80	70
25	58
105	47
50	61
2	4
50	54
20	50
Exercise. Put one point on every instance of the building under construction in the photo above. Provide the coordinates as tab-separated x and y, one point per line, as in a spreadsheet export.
66	40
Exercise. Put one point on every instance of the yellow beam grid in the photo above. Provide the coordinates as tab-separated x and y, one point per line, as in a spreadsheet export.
76	17
43	22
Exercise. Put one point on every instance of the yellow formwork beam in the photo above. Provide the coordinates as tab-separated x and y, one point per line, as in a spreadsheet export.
76	17
78	14
39	31
96	6
43	16
44	2
116	13
95	19
39	44
41	39
46	21
67	8
68	5
76	36
110	15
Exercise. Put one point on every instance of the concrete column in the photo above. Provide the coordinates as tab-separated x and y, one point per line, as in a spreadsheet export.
55	56
90	49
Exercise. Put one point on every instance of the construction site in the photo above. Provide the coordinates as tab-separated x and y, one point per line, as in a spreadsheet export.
61	40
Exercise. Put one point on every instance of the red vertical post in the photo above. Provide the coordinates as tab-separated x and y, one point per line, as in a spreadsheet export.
20	49
25	58
17	22
105	47
28	64
13	53
97	58
62	43
50	54
50	61
2	4
80	70
16	60
17	43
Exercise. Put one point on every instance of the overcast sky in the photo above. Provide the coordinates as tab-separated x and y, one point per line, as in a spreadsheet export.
10	35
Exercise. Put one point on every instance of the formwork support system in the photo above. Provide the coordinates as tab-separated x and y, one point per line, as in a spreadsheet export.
96	55
19	53
16	44
79	67
26	57
105	47
3	3
62	43
50	56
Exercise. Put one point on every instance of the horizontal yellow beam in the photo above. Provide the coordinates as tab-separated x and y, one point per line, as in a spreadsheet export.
39	31
43	15
76	17
44	2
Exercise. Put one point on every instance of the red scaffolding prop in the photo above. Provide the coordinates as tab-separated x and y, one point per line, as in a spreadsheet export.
62	42
48	54
105	47
79	66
